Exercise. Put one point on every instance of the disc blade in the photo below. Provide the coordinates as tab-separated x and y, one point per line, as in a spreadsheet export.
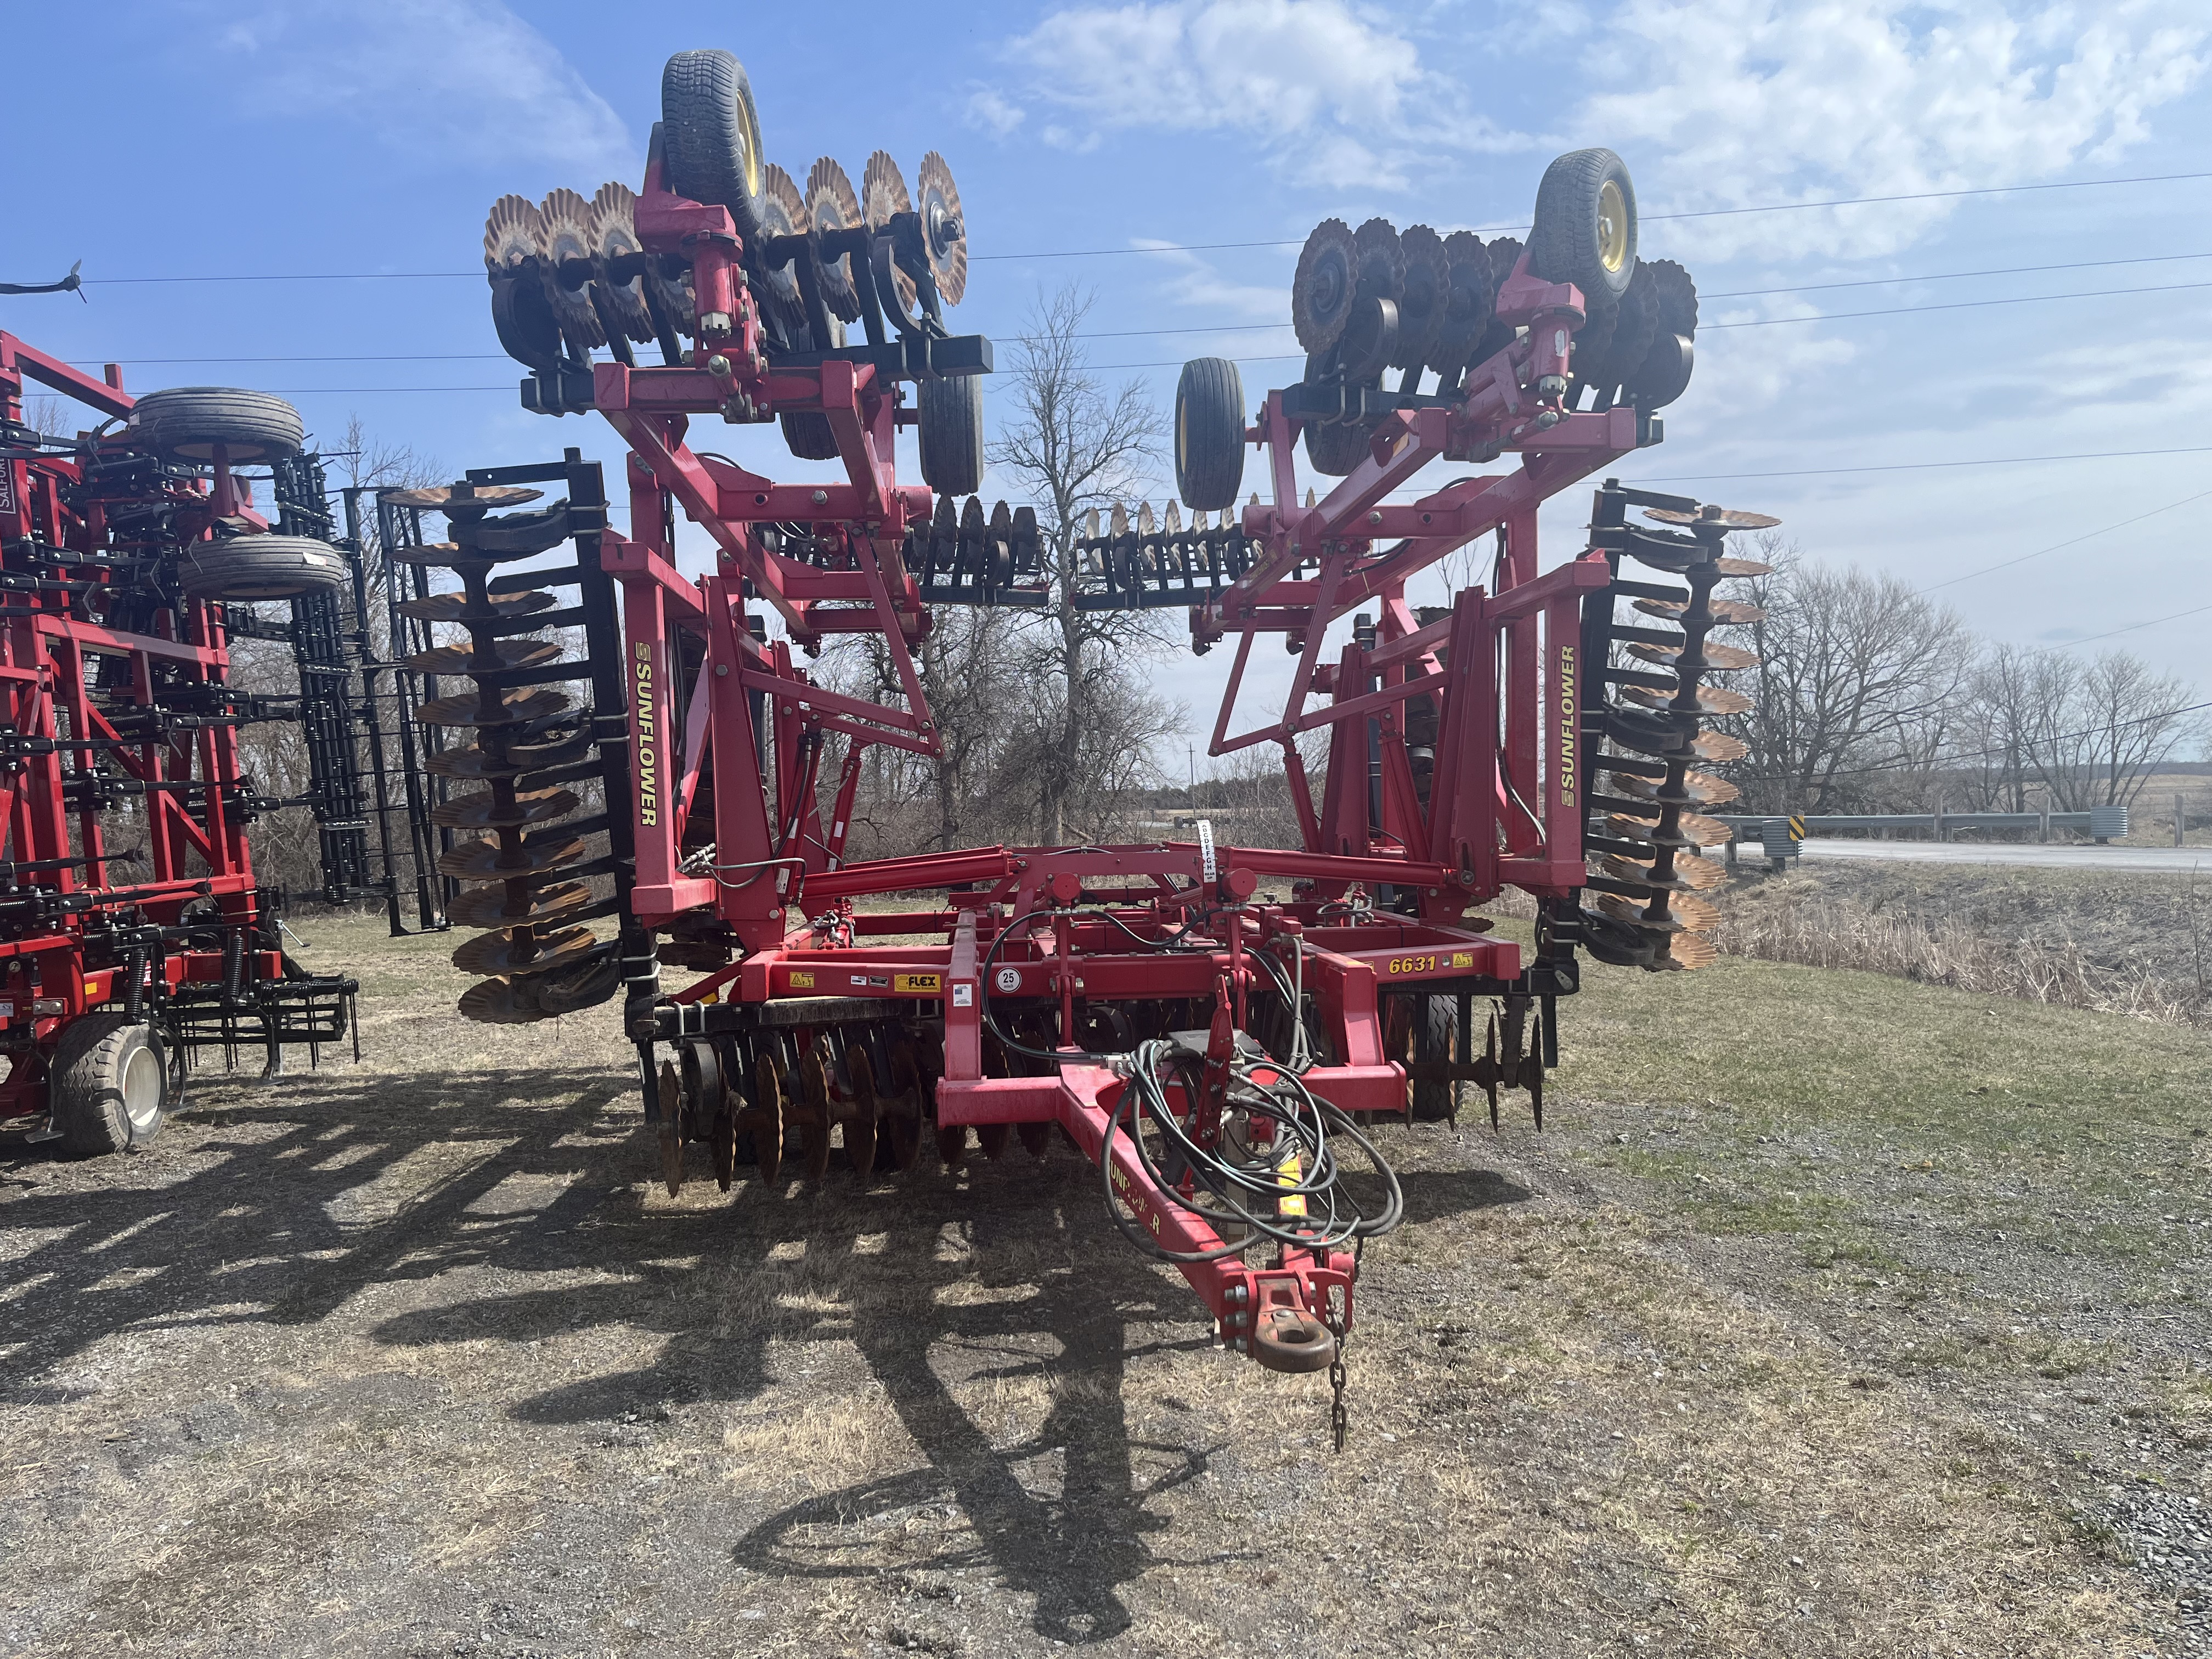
492	906
831	205
944	228
519	950
1325	285
487	812
455	607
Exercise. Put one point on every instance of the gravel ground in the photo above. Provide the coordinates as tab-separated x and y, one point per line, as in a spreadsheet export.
413	1358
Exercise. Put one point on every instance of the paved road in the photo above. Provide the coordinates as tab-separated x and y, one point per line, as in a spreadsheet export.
2142	860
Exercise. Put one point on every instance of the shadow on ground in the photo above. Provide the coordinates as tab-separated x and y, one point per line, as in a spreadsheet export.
281	1208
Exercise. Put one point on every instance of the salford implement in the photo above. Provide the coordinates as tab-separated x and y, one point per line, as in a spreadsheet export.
1219	1029
132	930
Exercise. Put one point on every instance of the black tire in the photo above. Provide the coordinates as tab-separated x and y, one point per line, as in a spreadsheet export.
809	436
249	567
109	1086
1334	447
1209	433
710	136
1634	326
186	422
950	433
1584	231
1435	1027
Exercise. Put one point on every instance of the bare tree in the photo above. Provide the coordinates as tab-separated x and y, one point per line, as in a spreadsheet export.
1856	672
1078	447
2099	729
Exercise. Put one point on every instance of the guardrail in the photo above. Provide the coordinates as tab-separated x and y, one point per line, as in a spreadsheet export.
1781	838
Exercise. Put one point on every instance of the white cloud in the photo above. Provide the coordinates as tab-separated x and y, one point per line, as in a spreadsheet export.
1754	101
1299	77
453	81
993	113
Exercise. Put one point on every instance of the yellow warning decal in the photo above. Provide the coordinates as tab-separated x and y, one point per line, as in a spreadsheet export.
926	984
1463	958
802	979
1287	1173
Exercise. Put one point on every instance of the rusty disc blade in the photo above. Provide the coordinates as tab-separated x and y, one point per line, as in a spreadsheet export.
455	607
993	1138
493	907
1691	830
783	213
1722	610
583	984
506	654
535	755
516	706
672	1129
1382	258
482	861
813	1113
952	1145
862	1112
515	234
831	204
1687	952
515	951
614	240
1710	518
461	497
1742	567
1712	657
944	227
500	1002
489	811
571	262
764	1120
1711	699
1691	873
1700	789
1718	746
1035	1137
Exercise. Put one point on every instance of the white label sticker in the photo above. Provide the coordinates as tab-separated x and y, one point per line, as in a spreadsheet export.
1559	343
1008	979
7	1011
963	996
1206	847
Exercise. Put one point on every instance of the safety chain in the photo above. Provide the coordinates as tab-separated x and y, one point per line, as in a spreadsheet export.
1340	1420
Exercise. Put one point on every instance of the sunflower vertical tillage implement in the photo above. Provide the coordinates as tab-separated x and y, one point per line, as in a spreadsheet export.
1219	1029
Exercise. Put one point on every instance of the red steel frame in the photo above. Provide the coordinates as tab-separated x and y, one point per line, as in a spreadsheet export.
1505	805
45	642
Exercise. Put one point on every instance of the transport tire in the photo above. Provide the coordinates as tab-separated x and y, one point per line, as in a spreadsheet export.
807	436
186	422
1435	1027
1209	433
249	567
1584	230
109	1086
710	136
950	434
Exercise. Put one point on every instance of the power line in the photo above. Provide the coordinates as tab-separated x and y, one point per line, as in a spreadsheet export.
2088	535
1922	466
1244	328
1212	247
1971	754
1957	305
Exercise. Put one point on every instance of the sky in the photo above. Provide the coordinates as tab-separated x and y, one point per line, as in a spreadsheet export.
1861	369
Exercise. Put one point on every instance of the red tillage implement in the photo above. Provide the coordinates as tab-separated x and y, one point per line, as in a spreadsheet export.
1216	1028
120	952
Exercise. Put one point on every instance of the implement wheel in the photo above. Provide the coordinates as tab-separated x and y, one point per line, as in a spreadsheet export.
186	422
950	434
710	136
251	568
109	1086
1585	225
1209	433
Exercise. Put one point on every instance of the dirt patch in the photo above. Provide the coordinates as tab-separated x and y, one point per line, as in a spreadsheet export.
411	1357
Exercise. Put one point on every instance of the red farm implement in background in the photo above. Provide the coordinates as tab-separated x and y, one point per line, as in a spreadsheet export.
132	930
1219	1029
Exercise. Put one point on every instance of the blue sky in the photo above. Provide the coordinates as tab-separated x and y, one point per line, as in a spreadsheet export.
245	140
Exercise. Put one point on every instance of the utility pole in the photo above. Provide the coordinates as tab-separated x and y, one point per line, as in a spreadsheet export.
1192	749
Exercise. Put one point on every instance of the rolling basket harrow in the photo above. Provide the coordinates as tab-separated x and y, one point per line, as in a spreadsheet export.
1218	1029
132	928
